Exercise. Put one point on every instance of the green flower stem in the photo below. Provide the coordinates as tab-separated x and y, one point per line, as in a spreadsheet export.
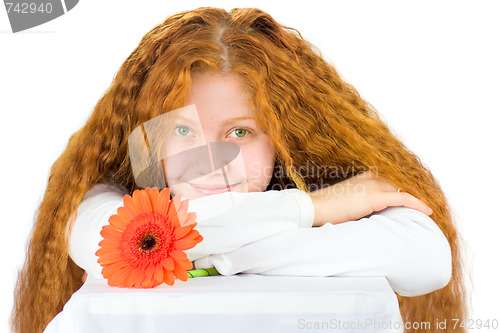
202	272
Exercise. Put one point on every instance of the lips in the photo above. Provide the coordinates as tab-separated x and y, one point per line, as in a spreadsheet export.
212	189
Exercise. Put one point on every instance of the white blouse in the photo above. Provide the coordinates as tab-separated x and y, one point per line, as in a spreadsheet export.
271	233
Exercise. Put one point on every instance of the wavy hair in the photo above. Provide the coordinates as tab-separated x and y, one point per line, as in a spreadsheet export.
311	115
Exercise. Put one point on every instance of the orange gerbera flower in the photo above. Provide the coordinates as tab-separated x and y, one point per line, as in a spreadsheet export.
144	242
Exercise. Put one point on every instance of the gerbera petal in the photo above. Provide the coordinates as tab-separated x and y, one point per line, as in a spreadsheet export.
183	231
108	270
133	277
158	274
190	218
103	250
184	264
139	278
128	203
193	234
184	244
168	264
182	212
180	273
110	231
172	215
141	200
125	214
153	194
176	201
156	283
168	277
138	283
109	257
148	279
178	255
163	201
183	205
119	276
109	243
118	221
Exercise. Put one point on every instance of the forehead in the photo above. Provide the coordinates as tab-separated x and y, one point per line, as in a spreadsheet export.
219	96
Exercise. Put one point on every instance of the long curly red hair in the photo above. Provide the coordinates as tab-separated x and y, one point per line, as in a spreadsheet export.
311	115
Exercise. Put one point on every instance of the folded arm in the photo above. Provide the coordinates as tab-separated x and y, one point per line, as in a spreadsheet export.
227	221
401	244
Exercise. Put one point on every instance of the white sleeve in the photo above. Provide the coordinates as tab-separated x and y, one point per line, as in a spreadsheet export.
230	220
401	244
226	221
92	214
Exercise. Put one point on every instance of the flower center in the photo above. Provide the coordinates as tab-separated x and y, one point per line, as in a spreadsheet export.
149	239
148	242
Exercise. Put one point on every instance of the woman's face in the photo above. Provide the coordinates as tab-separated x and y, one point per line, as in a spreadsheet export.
240	157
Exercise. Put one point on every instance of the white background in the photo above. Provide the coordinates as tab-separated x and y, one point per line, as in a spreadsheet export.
431	68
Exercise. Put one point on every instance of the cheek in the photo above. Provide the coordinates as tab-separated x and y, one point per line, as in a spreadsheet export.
170	166
177	161
259	162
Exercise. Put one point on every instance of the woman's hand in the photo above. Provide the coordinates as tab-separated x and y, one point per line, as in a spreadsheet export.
358	197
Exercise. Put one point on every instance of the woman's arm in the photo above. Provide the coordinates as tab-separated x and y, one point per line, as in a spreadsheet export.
92	214
227	221
400	243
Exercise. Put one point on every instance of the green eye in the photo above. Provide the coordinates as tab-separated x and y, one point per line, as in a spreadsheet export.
240	132
182	130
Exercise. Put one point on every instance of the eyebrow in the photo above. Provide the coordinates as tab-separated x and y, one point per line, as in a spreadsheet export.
225	122
182	118
232	120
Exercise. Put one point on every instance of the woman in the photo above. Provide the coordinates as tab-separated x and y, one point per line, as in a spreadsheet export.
309	113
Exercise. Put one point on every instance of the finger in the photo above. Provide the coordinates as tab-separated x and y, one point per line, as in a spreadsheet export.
387	187
381	184
84	277
404	199
384	184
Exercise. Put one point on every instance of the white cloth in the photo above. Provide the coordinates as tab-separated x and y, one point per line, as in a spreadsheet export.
270	233
243	303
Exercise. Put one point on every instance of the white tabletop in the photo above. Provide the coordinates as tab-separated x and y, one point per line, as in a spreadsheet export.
242	303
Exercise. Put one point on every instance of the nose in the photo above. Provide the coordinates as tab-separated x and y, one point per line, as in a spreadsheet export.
222	170
222	153
213	157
